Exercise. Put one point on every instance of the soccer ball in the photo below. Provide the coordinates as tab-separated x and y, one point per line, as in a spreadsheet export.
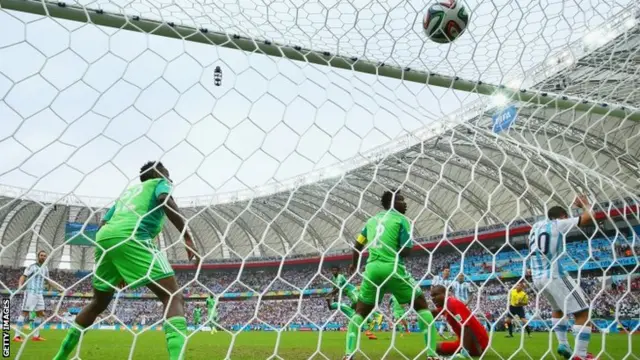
445	21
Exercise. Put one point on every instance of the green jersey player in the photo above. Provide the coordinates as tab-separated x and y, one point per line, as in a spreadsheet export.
197	316
127	254
340	282
212	313
387	237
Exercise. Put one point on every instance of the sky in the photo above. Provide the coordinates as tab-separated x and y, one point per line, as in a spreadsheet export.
82	106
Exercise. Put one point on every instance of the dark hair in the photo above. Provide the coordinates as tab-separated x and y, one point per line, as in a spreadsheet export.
556	212
40	251
146	171
439	288
388	197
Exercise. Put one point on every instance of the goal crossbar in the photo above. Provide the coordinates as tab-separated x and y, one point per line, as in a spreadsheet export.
135	23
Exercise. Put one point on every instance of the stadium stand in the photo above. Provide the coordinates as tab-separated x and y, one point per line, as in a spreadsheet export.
278	307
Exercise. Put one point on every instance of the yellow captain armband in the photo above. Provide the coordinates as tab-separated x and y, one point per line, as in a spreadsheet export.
361	239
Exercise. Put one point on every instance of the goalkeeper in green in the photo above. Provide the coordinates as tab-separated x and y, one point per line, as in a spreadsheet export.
387	237
197	316
212	313
126	253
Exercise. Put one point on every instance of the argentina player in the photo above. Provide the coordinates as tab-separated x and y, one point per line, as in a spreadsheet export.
547	245
443	279
33	279
461	290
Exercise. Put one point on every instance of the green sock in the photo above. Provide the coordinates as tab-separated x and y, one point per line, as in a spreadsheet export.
175	331
347	310
428	329
353	333
69	343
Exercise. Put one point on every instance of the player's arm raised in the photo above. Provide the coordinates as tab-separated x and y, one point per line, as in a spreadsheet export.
566	224
173	214
587	216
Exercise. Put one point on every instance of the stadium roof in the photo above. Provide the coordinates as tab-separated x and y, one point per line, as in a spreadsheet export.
457	174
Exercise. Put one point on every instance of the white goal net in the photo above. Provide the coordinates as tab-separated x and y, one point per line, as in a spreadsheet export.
282	123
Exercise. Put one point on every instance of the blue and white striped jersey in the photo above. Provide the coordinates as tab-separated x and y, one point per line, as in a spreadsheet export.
461	290
546	246
36	277
438	280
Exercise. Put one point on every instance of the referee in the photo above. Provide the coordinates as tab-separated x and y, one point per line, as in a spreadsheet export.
518	299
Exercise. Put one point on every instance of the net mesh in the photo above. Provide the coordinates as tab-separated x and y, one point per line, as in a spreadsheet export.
277	164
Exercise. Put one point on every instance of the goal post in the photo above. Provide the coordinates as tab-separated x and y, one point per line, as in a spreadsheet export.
511	92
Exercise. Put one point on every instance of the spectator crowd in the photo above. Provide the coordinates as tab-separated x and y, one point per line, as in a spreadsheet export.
612	296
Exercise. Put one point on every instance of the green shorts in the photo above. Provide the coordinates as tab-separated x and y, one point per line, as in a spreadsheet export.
390	279
213	317
136	262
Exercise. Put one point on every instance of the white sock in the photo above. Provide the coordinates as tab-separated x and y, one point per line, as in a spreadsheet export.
36	323
19	325
561	326
583	335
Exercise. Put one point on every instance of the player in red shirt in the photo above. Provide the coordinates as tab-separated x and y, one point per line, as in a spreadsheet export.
474	336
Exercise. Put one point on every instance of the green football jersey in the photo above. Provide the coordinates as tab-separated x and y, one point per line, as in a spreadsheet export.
136	212
197	312
211	303
387	233
341	282
396	307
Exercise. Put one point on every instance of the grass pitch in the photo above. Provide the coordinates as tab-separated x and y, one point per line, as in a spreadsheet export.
150	345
